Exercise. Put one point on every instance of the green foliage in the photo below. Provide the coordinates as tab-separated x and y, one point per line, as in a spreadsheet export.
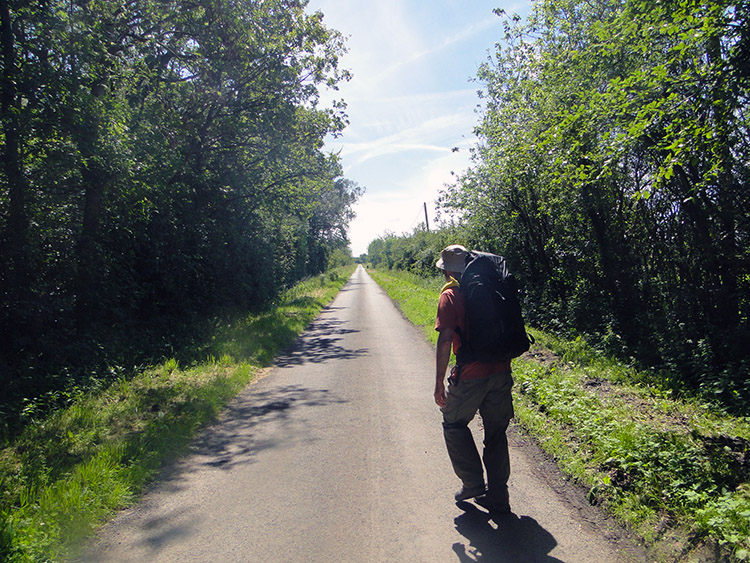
340	257
162	161
613	176
69	471
642	453
416	253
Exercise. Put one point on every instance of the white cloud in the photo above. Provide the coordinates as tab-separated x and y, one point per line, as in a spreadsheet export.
412	138
410	101
464	34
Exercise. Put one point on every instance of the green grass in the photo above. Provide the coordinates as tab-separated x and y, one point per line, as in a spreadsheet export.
675	471
70	471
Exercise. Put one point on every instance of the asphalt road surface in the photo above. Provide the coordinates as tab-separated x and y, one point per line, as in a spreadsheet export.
336	454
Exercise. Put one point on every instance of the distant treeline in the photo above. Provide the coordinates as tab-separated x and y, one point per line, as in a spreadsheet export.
613	173
161	160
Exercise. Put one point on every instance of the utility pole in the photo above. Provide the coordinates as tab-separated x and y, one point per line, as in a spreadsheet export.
427	224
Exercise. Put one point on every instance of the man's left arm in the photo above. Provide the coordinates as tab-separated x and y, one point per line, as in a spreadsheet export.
442	358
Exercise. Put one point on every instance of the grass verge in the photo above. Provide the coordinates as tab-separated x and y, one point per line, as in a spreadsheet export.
69	472
675	471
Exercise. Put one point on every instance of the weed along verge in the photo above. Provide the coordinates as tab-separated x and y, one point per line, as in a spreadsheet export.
673	470
67	473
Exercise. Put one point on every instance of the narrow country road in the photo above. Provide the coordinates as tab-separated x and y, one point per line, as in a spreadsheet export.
336	455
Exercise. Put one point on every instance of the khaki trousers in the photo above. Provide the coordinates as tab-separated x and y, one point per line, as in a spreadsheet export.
491	397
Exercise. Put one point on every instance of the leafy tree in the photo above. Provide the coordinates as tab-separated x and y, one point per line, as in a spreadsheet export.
613	172
161	160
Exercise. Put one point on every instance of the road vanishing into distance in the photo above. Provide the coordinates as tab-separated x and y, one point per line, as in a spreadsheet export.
336	454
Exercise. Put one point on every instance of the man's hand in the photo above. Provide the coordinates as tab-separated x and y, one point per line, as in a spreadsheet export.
440	399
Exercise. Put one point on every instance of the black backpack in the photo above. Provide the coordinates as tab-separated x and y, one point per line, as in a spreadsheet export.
494	328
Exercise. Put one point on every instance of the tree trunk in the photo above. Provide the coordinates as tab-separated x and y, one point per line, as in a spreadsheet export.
95	177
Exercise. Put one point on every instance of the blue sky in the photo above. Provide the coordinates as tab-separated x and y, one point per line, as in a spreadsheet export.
410	102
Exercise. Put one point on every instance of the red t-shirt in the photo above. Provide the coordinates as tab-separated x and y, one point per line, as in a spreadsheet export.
450	314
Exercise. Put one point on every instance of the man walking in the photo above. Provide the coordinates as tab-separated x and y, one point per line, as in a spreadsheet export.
476	386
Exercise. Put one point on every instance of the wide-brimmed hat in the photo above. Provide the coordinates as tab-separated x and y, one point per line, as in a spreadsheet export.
453	258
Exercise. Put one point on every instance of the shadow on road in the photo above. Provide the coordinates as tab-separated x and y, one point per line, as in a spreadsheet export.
243	432
351	285
504	538
320	343
236	439
248	426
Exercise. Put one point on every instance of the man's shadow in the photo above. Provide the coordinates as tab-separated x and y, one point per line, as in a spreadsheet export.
502	538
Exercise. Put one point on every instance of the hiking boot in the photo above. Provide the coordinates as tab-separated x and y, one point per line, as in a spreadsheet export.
469	492
493	506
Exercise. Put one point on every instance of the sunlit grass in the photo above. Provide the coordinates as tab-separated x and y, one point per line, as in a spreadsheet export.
69	472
